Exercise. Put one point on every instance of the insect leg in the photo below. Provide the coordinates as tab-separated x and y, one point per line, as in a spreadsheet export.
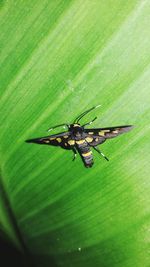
75	153
100	153
88	123
64	124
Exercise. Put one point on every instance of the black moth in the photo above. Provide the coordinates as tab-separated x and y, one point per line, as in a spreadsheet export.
78	139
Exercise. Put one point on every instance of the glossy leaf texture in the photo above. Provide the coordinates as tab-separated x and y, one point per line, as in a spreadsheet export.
59	58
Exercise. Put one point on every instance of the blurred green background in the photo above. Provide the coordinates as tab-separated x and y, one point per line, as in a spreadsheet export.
59	58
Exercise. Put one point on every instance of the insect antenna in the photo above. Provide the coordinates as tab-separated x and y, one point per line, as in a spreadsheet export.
84	113
89	123
64	124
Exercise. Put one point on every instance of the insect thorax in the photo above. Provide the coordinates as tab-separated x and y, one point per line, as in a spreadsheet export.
76	130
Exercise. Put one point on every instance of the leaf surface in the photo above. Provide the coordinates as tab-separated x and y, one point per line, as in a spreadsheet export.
59	58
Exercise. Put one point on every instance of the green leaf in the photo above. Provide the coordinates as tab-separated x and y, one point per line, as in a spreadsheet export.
59	58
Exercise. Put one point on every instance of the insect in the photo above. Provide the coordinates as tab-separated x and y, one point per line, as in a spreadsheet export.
81	140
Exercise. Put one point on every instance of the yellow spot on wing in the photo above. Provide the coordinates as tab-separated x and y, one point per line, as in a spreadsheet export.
87	154
97	139
79	142
76	125
65	136
71	142
66	144
46	141
90	132
58	140
102	133
115	131
52	138
89	139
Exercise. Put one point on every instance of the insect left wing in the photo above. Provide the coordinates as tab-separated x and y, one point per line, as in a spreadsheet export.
98	136
61	139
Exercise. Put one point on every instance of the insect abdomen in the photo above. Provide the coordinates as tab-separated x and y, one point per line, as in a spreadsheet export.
85	153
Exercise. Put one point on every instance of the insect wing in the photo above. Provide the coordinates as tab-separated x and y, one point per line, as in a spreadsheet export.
100	135
61	140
